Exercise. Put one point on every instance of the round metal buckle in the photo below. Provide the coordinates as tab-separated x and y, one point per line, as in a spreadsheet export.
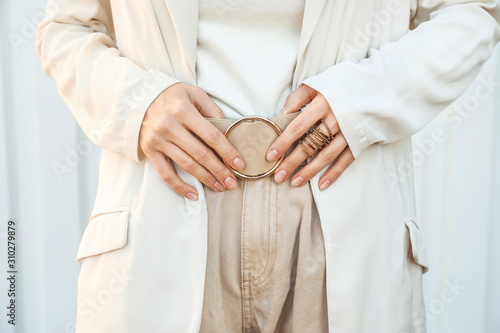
268	122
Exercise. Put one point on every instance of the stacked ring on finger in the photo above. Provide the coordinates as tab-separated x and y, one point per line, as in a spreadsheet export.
316	138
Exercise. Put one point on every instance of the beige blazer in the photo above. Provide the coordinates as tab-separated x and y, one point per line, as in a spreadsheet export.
387	67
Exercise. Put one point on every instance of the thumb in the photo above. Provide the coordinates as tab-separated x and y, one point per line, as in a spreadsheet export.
297	99
206	106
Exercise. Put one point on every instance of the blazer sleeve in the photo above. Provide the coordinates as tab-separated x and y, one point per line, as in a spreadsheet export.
403	85
107	93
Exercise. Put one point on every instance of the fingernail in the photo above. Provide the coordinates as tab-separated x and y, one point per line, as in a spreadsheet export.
230	183
297	181
218	186
324	185
192	196
238	163
280	176
272	155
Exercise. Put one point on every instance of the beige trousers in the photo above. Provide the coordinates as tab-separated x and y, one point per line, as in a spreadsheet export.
266	260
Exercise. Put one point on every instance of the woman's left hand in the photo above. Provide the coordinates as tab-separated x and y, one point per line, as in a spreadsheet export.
337	149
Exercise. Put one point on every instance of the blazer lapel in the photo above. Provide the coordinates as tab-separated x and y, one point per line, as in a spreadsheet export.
312	12
184	15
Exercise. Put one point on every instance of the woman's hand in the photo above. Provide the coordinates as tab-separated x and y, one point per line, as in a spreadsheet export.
336	149
167	131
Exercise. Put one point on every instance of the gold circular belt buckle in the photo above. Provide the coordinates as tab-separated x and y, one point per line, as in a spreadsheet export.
269	122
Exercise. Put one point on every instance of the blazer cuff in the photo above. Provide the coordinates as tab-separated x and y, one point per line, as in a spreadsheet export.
347	118
141	97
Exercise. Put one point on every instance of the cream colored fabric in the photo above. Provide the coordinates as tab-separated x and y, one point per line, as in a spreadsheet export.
266	260
387	69
246	53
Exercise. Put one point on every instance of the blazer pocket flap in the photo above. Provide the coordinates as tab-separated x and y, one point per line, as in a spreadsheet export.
105	232
417	245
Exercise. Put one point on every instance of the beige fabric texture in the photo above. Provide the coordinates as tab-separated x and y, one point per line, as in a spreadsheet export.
266	260
266	257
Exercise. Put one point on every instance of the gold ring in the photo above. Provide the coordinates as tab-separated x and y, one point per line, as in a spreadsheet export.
327	128
269	122
316	132
310	137
320	136
304	149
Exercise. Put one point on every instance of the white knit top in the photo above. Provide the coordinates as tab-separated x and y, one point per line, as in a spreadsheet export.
247	52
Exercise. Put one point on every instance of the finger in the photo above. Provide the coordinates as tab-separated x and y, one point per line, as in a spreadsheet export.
324	157
191	166
216	140
202	154
170	177
318	109
204	104
299	98
344	160
291	163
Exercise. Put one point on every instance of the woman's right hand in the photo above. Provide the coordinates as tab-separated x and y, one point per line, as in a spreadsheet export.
167	131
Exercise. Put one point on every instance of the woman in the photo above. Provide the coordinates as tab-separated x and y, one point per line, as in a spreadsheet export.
178	243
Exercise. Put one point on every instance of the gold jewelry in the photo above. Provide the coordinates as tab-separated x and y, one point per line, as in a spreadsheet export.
320	136
327	128
315	149
304	148
313	134
319	146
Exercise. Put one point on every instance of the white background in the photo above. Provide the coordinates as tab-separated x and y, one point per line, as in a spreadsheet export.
48	175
